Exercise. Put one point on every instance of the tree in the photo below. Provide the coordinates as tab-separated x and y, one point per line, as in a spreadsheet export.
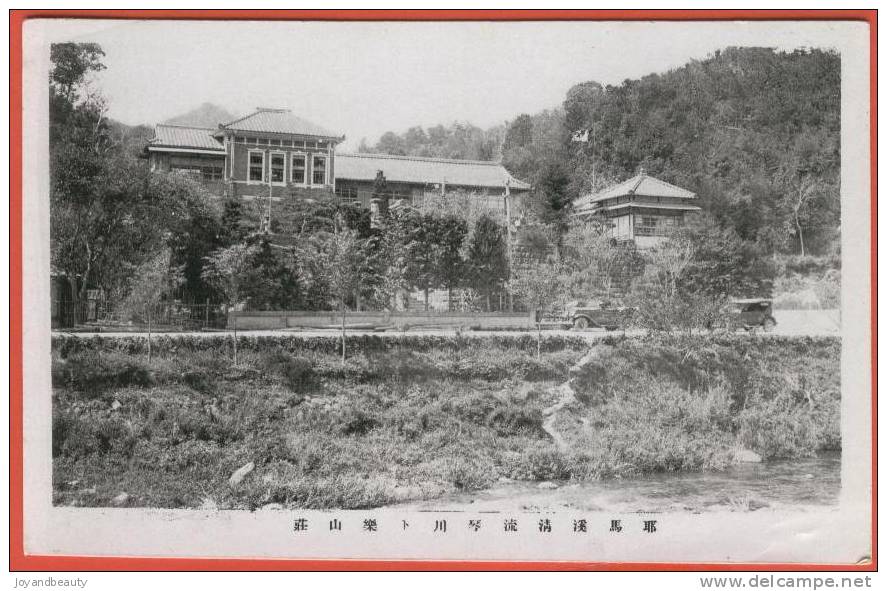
70	65
417	233
155	280
596	264
660	303
808	177
721	263
488	257
381	193
540	286
344	258
108	215
231	228
451	232
275	285
230	270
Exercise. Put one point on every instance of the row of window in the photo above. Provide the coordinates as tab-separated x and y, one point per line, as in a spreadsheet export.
351	195
653	221
207	173
298	168
282	143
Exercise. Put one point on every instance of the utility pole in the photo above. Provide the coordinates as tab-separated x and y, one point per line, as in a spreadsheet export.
270	191
508	240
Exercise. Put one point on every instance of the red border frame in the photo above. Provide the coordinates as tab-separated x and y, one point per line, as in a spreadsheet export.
19	561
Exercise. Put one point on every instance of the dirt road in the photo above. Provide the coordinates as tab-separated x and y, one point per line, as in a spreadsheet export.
789	322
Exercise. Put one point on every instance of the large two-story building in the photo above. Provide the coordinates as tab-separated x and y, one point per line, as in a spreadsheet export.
268	152
271	152
643	209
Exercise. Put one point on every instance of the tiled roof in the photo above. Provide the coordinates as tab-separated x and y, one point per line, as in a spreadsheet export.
176	136
413	169
637	185
277	121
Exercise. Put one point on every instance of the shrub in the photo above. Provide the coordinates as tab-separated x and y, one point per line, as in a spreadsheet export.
92	373
297	372
542	463
73	437
355	421
468	475
510	420
199	381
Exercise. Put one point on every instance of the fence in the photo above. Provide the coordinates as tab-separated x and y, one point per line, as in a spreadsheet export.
167	316
257	320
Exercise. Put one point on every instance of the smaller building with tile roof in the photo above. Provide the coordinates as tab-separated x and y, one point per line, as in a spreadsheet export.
412	178
643	209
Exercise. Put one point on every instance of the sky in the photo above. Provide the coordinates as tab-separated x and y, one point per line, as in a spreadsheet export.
362	79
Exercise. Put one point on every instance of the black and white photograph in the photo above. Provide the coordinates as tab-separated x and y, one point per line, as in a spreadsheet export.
383	277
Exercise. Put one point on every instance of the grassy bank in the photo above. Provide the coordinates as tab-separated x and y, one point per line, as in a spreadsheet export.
415	416
665	404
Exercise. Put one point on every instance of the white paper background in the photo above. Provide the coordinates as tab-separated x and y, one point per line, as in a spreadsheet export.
839	535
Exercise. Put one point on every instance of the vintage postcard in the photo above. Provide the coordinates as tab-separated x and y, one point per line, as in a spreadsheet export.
488	290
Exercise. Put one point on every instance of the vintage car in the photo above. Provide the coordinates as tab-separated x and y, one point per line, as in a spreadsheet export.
751	313
599	314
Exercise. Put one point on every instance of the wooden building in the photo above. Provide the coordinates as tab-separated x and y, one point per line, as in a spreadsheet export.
410	179
642	209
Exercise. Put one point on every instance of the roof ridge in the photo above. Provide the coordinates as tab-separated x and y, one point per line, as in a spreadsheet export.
670	185
239	119
419	158
185	126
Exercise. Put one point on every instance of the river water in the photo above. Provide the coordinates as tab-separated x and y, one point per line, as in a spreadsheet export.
789	484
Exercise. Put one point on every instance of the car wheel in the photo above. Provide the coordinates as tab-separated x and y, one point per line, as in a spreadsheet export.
581	323
769	324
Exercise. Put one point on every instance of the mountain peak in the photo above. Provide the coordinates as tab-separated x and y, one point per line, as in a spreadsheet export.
206	115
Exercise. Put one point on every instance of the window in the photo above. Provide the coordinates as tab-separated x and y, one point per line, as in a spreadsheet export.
287	143
263	141
275	142
347	194
239	139
211	173
278	166
256	166
297	169
318	170
250	140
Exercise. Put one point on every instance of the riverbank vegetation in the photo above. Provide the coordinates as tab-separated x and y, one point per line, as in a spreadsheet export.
414	417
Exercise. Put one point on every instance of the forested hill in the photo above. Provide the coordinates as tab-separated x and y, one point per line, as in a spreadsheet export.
753	131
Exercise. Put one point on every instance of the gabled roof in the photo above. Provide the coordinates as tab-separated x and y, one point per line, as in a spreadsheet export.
177	136
414	169
277	121
641	184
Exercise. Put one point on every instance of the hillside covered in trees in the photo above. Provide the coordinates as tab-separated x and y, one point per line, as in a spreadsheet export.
753	131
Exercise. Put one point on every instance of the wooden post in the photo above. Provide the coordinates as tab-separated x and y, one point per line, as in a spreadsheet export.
508	241
149	333
235	337
343	331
